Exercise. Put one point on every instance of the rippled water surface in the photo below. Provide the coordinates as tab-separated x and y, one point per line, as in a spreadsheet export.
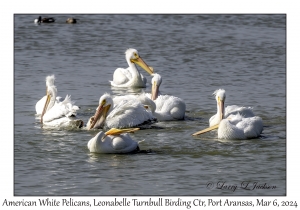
195	55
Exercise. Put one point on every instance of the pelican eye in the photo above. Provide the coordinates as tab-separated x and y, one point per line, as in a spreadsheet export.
104	101
136	55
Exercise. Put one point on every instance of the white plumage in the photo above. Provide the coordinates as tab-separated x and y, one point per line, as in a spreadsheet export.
131	77
112	143
59	114
125	114
238	127
40	104
165	107
236	123
220	96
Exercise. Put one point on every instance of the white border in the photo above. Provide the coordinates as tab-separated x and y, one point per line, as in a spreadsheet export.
153	6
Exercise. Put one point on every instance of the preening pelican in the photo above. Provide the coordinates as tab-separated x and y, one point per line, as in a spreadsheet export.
236	123
125	114
40	104
165	107
59	114
114	141
131	77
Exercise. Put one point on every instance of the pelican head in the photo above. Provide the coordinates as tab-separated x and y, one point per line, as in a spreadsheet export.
105	103
132	56
156	81
50	100
217	118
220	98
49	82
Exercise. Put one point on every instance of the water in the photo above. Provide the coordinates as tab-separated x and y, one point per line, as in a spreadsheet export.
195	55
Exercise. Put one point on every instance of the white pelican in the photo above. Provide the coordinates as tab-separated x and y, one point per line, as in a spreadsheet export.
165	107
127	113
40	104
59	114
229	110
236	123
118	99
131	77
113	141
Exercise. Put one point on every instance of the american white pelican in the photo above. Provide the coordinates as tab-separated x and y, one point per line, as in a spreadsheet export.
165	107
44	20
114	141
127	113
229	110
40	104
236	123
118	99
131	77
59	114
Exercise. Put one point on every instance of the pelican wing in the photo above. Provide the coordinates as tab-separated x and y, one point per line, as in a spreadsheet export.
252	126
238	127
169	108
123	143
128	113
234	109
227	130
61	109
69	108
118	99
121	77
112	144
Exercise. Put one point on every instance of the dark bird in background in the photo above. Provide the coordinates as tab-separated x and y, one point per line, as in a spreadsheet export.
71	20
44	20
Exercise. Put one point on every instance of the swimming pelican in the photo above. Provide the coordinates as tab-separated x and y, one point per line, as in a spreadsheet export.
165	107
131	77
40	104
114	141
236	123
59	114
127	113
229	110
